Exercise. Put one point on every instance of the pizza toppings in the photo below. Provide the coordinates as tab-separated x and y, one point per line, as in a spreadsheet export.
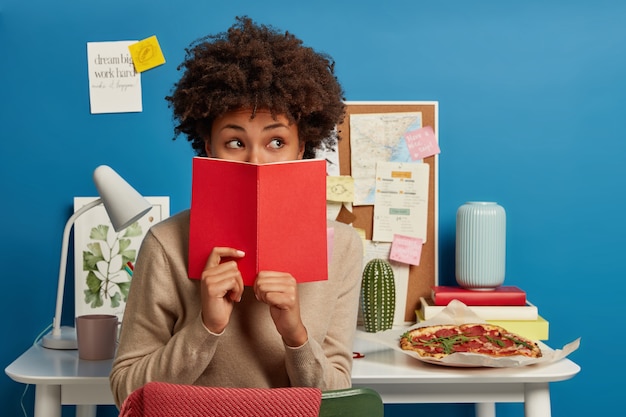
442	340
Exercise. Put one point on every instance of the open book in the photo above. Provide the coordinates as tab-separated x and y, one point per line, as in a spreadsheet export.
275	213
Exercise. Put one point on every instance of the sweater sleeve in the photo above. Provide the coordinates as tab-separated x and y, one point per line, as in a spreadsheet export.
153	346
327	364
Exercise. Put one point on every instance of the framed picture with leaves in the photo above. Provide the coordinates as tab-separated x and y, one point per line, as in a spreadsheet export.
104	259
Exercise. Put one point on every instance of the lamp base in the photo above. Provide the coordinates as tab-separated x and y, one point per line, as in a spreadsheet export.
66	340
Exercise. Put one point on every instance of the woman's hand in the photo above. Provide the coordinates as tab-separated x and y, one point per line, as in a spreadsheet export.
279	290
221	287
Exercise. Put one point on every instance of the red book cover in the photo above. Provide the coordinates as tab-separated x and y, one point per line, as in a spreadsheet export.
504	295
275	213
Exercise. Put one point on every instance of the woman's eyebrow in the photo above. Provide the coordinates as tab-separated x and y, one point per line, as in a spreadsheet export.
272	126
232	126
277	125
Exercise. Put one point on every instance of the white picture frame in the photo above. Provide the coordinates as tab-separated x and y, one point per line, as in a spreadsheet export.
104	259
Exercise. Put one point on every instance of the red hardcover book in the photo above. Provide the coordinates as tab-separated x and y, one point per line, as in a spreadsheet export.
504	295
275	213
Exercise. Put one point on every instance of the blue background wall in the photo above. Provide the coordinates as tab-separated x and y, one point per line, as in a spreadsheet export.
531	115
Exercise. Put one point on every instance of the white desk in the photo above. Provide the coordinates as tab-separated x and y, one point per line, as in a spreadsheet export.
400	378
61	378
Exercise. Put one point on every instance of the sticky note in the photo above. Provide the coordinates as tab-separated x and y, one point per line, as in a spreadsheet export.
406	249
340	188
146	54
422	143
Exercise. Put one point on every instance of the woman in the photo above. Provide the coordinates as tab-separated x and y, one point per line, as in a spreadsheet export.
256	95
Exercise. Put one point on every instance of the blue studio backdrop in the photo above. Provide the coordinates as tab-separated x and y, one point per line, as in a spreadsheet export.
531	98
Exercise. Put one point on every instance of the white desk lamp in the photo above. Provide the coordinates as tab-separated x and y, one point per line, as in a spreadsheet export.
124	206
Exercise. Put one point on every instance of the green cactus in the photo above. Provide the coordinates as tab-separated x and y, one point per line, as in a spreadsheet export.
378	296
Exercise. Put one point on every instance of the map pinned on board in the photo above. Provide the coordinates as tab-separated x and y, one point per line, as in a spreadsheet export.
146	54
376	137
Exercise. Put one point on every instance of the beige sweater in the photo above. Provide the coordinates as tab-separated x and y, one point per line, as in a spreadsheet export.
163	338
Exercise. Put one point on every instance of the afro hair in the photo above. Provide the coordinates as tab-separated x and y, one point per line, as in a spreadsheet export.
257	67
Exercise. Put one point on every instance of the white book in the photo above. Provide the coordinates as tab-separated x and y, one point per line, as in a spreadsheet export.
529	311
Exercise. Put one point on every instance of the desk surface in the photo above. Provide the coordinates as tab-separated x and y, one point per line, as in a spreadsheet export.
39	365
380	365
62	378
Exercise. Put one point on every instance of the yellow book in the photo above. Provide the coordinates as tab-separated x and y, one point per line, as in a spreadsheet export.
532	329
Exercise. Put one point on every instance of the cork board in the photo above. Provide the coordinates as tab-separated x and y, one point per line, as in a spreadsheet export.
423	276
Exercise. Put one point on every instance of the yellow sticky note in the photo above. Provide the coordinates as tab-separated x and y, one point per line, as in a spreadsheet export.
146	54
340	188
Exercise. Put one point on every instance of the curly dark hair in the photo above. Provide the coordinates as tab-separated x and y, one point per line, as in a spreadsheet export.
257	67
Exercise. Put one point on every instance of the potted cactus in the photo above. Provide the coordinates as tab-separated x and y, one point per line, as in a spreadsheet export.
378	295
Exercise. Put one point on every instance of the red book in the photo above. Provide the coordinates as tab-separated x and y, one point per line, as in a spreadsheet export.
275	213
500	296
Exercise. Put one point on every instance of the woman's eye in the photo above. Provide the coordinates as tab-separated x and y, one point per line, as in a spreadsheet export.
234	144
276	143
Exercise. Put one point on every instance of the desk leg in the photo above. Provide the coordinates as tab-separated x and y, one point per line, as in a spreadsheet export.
485	409
47	400
86	410
537	400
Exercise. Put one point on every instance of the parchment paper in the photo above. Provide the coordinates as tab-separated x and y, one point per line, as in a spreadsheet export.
458	313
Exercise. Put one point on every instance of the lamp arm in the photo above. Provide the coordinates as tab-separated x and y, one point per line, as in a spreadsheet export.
56	324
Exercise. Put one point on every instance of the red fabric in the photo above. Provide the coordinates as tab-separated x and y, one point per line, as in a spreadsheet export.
159	399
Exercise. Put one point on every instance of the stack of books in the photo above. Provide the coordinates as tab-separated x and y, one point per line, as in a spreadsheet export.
505	306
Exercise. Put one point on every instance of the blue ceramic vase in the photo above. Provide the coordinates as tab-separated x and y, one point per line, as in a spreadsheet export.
480	245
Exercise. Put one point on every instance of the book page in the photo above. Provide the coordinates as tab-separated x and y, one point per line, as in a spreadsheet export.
292	226
223	212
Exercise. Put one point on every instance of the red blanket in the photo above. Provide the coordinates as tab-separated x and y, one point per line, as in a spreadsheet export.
159	399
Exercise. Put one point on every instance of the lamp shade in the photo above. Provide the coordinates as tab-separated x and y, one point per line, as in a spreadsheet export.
123	204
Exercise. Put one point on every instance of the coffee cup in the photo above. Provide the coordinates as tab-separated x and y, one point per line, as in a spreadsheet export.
96	335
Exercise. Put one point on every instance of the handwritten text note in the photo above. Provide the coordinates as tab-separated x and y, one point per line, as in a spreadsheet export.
114	85
422	143
406	249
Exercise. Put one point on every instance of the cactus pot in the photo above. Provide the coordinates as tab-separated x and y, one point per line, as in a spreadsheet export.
378	296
